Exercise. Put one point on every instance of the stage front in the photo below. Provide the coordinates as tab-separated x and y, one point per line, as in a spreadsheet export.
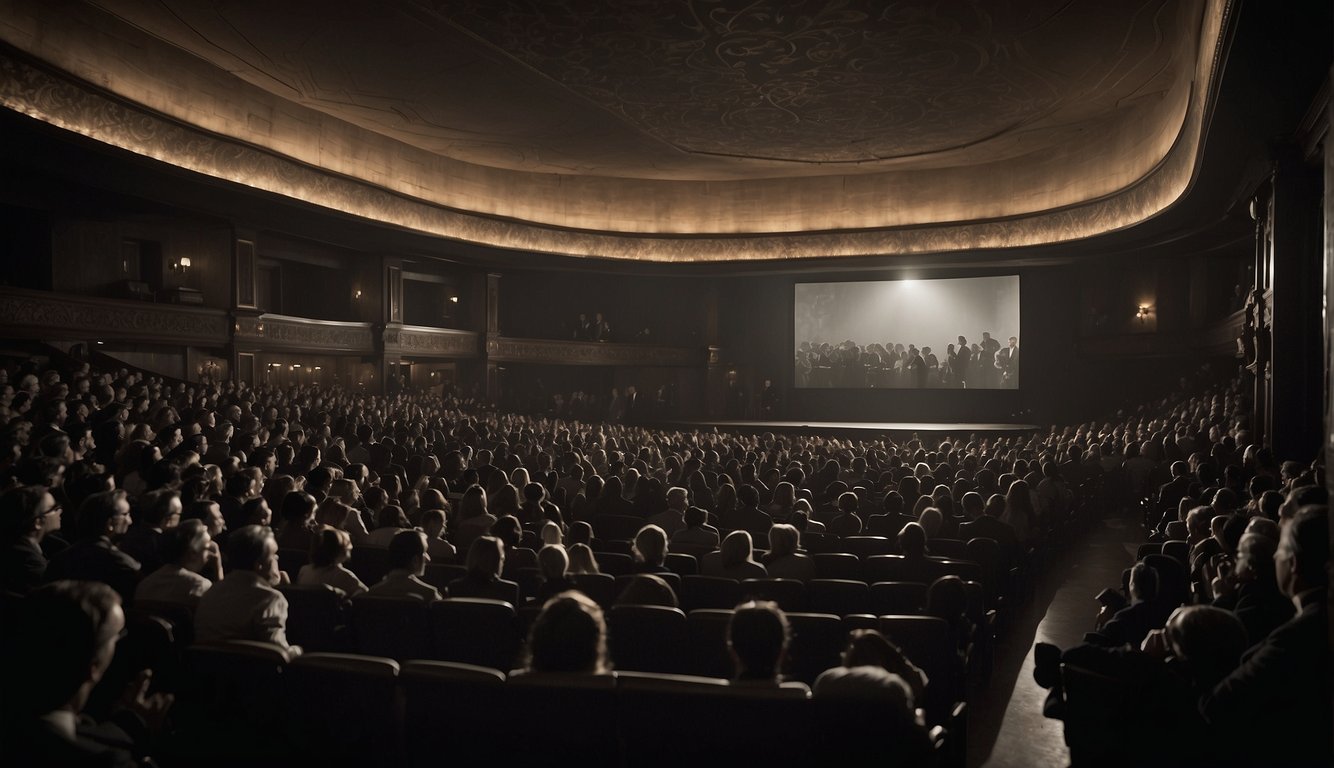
897	430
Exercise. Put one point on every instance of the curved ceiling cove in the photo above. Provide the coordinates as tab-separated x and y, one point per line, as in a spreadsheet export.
670	130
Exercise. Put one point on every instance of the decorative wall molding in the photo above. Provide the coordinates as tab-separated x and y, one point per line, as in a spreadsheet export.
550	352
421	341
41	314
269	331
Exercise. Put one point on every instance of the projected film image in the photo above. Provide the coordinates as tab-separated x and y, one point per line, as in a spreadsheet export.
956	333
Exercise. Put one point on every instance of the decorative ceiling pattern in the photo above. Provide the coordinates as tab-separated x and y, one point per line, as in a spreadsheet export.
816	81
963	125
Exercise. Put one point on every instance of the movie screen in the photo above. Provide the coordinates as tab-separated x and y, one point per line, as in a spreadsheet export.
955	333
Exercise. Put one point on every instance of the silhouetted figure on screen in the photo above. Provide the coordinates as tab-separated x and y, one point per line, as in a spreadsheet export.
986	361
963	363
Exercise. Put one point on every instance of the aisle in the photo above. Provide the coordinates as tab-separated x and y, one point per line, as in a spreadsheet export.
1006	726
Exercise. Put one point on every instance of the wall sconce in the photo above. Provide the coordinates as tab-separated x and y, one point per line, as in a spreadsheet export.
181	265
454	299
356	294
1143	312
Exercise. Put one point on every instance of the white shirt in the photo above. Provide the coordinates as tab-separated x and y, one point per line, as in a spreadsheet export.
242	607
172	584
335	576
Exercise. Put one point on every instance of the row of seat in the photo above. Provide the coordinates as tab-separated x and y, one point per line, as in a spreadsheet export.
248	702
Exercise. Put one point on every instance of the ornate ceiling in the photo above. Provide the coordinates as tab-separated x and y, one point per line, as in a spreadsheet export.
668	130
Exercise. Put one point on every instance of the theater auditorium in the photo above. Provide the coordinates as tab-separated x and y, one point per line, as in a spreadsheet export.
921	383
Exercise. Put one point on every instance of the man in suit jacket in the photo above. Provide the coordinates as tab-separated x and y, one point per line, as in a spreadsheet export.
1275	708
1130	625
990	526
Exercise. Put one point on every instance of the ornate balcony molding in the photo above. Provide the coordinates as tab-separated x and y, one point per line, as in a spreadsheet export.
41	314
544	351
269	331
416	340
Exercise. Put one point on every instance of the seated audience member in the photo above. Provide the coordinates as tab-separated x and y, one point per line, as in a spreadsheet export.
733	560
747	515
1275	708
873	668
329	550
245	605
433	525
297	520
1249	588
990	526
757	639
582	560
389	522
407	564
783	561
193	564
486	561
931	520
801	518
912	542
93	557
672	520
207	512
697	530
553	564
27	515
569	636
947	599
1131	624
71	629
847	522
650	550
647	589
550	533
159	512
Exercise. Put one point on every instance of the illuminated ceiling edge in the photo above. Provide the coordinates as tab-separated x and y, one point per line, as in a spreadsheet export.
76	107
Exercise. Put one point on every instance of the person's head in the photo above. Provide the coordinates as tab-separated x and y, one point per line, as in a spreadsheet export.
757	638
509	530
29	511
298	509
407	552
736	548
1207	641
209	512
677	498
581	532
550	533
70	630
486	558
931	519
391	516
186	545
330	546
947	598
582	559
995	506
252	549
784	540
650	545
104	514
1303	552
867	647
1143	583
912	540
647	589
553	562
569	636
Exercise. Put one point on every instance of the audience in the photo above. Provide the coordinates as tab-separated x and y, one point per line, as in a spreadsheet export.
329	550
245	605
193	564
408	557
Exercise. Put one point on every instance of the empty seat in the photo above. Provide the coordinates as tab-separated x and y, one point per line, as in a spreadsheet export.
672	580
1149	548
817	644
893	568
694	550
897	597
569	715
326	724
464	696
439	575
394	627
708	592
816	543
837	596
789	594
682	564
317	617
964	569
837	565
613	546
707	652
866	546
599	587
647	638
1177	549
928	643
615	564
230	698
475	631
950	548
